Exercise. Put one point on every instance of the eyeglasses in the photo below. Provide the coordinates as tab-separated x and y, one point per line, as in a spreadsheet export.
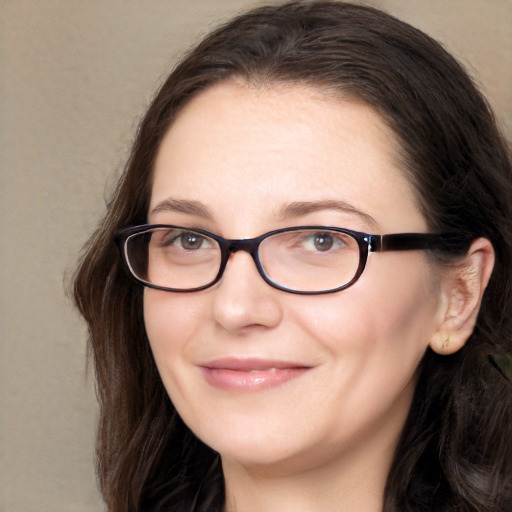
302	259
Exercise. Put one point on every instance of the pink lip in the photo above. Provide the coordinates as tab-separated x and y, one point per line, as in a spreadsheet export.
250	374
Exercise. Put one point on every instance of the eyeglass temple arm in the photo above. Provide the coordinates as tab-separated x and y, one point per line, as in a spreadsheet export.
448	242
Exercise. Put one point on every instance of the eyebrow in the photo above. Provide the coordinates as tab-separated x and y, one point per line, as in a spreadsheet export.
286	211
183	206
300	208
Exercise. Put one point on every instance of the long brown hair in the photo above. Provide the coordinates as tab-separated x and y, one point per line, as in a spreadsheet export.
454	453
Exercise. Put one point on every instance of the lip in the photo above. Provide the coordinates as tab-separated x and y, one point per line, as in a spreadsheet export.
251	374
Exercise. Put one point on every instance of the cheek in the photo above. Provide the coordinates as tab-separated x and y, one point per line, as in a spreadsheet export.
387	317
171	323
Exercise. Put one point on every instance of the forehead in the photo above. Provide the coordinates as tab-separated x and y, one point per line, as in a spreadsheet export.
246	151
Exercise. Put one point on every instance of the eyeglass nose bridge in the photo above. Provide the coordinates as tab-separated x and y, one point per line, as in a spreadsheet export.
249	245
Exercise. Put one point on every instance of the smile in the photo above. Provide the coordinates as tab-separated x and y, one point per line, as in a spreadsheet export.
250	374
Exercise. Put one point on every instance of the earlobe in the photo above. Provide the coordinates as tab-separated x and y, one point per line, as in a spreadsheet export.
463	286
445	343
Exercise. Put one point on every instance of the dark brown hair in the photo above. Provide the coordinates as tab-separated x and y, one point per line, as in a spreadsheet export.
455	450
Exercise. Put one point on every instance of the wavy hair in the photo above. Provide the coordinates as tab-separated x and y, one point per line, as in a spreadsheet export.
455	450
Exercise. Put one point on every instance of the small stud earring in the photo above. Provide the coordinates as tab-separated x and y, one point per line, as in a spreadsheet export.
446	343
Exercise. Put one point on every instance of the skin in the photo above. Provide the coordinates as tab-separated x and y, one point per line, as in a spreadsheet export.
323	440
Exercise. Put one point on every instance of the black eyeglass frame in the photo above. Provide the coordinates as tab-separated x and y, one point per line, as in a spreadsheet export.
446	242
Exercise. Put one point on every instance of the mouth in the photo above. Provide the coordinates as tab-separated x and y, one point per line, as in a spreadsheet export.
250	374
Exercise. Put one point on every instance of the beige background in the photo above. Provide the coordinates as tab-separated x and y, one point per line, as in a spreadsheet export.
75	77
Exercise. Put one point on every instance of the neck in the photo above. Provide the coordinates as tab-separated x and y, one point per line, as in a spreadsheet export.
354	482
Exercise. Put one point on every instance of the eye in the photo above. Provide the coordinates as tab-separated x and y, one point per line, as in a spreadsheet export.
191	241
323	241
186	240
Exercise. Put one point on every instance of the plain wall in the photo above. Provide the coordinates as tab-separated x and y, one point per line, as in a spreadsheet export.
75	77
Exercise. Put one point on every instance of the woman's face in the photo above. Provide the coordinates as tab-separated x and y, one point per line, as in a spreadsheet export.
269	378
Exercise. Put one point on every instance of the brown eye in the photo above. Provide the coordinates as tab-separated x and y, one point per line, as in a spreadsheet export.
191	241
323	241
184	240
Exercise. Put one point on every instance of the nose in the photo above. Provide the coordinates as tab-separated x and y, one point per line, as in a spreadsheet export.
242	299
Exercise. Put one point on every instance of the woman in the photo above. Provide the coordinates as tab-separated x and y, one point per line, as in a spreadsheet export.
261	357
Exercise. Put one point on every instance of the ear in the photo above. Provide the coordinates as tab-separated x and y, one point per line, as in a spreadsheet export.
462	288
